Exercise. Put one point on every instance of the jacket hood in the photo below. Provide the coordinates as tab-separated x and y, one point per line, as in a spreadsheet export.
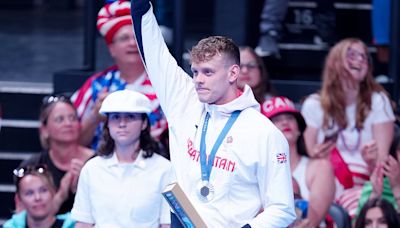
245	100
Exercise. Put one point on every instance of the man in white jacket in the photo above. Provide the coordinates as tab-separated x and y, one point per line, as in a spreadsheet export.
230	160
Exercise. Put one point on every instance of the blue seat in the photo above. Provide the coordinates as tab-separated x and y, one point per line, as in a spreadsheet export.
340	216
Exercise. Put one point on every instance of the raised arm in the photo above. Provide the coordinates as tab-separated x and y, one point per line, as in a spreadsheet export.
88	109
172	85
91	121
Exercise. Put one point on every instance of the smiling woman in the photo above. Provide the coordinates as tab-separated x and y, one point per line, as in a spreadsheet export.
36	192
355	106
63	155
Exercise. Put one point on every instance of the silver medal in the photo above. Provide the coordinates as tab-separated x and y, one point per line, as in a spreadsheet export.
205	191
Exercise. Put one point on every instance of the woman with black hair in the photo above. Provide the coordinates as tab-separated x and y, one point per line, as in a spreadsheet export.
122	186
253	72
314	176
378	213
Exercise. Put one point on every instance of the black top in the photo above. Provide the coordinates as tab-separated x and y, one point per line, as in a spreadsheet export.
57	224
44	158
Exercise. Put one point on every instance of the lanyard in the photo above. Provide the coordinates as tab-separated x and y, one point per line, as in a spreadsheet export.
207	166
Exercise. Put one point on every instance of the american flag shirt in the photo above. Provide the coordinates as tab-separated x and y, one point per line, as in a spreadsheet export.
84	98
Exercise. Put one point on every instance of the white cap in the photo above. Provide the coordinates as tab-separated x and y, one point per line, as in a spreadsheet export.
127	101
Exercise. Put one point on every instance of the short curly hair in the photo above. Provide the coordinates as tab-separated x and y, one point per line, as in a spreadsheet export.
211	46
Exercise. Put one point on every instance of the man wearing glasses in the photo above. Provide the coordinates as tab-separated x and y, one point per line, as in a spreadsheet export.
115	24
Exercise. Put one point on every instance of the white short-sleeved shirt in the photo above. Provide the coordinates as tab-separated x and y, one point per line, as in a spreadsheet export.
299	174
111	194
381	112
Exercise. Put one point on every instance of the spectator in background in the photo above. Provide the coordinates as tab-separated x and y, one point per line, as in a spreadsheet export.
385	179
115	24
377	213
122	186
351	114
63	155
36	192
272	16
314	176
254	73
391	168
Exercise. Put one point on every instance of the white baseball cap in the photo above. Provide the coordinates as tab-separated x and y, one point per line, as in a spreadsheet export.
125	101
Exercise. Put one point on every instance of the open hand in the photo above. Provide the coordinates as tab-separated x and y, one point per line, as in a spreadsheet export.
391	169
369	152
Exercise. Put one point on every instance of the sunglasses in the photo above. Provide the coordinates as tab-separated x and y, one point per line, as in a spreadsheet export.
23	171
47	100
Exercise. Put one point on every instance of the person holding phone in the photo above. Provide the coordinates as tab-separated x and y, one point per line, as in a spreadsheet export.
36	191
353	106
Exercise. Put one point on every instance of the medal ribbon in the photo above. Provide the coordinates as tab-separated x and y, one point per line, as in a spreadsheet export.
207	166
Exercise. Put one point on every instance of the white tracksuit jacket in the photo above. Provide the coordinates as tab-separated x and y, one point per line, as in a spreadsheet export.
251	169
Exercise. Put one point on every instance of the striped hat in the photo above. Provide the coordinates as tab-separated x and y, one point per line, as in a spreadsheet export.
112	17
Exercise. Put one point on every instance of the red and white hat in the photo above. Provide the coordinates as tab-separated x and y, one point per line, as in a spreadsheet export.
279	105
112	17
